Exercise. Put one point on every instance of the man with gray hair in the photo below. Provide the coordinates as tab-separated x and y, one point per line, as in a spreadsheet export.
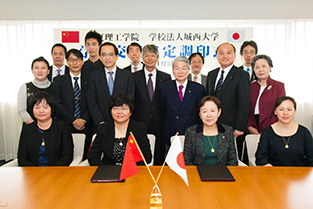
179	99
147	104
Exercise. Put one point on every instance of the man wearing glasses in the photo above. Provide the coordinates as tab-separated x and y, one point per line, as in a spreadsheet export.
248	50
104	83
196	62
70	93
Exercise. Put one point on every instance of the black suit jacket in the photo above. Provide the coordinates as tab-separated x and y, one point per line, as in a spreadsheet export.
234	96
253	76
104	142
49	76
98	92
149	112
179	115
58	144
63	92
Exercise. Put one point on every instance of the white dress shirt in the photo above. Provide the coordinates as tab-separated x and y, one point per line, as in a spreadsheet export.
184	84
153	77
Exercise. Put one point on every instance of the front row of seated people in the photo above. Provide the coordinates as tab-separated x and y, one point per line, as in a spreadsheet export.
48	141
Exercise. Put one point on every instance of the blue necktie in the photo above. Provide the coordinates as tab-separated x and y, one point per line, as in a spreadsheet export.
77	98
111	82
219	84
248	69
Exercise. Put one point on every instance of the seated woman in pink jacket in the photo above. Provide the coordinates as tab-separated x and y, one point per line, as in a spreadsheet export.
263	94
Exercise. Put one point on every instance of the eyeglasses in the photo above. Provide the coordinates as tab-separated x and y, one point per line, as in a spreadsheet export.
77	60
107	55
123	109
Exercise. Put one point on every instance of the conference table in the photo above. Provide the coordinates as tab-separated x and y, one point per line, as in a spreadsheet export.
70	187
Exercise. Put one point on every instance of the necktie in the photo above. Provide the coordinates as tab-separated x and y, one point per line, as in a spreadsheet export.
150	87
180	92
195	78
219	84
111	82
58	71
77	98
248	69
136	68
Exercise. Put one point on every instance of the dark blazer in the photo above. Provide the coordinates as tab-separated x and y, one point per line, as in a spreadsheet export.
149	112
98	92
105	140
253	76
273	90
179	115
129	67
49	76
63	92
203	79
234	96
194	149
58	144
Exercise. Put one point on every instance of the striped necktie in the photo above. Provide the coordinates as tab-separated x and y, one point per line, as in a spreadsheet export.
77	98
111	82
219	84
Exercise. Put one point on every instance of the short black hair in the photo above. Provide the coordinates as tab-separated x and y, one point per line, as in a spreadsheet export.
195	54
280	100
38	97
226	43
94	34
262	56
75	52
61	45
249	43
40	59
119	99
207	99
108	44
133	44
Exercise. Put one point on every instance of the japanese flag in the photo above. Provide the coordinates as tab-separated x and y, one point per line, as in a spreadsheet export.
175	159
235	35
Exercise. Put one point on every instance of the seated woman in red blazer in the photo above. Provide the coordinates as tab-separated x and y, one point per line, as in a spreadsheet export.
263	94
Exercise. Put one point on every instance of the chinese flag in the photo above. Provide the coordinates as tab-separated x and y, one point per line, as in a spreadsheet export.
70	36
131	156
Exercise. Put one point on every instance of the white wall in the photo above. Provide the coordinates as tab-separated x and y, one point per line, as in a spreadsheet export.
154	10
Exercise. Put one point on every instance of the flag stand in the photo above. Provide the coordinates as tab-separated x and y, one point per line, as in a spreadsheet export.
156	198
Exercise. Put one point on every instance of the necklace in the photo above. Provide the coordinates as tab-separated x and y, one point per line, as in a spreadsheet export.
121	141
212	149
286	143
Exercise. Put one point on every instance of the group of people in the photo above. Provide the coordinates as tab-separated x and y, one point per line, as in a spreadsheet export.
214	112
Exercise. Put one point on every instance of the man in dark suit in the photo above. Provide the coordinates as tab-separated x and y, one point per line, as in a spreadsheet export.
105	82
70	93
248	50
58	68
196	62
179	100
93	40
133	53
147	103
231	85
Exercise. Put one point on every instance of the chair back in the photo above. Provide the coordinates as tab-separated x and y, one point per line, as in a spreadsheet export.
182	140
79	142
252	141
151	138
